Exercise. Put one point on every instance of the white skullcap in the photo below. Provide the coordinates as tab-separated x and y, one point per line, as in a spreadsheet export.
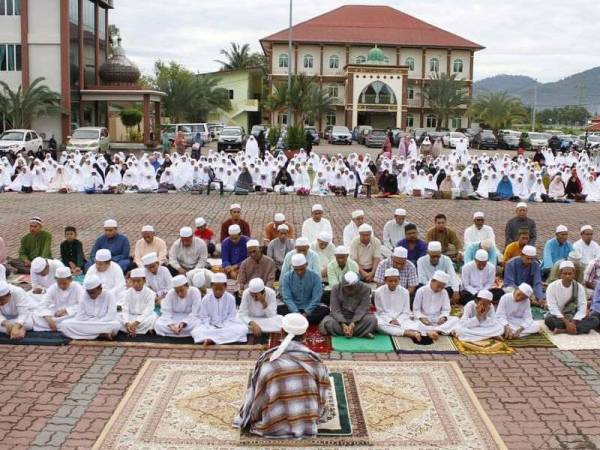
219	278
252	243
279	217
351	278
434	246
235	206
481	255
91	282
110	223
317	207
566	265
561	229
586	228
256	285
38	264
4	289
341	250
400	212
179	280
186	232
391	272
200	222
103	255
63	272
525	289
529	250
522	205
293	324
302	242
283	227
365	228
149	258
324	236
574	255
148	228
486	244
298	259
441	276
400	252
358	213
479	215
234	229
484	293
138	273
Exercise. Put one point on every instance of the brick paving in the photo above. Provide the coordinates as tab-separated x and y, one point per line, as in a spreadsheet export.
61	397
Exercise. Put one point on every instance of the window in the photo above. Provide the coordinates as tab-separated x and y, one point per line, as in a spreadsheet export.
331	118
410	121
410	62
456	122
230	94
283	61
334	62
10	57
361	60
308	62
458	66
434	65
431	121
10	7
411	93
333	91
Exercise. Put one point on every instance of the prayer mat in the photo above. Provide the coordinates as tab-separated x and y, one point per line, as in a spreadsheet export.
380	344
313	339
45	338
566	341
485	347
540	340
190	404
404	344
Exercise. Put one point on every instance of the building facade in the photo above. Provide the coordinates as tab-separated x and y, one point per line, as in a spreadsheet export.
65	42
375	62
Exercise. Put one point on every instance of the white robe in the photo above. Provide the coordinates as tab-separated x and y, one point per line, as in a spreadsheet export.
138	306
18	310
55	299
93	318
252	311
175	310
516	314
45	281
112	280
159	283
433	305
471	329
217	320
393	305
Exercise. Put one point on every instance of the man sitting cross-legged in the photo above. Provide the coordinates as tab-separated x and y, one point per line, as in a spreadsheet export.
432	307
60	303
258	309
176	309
478	321
514	312
138	316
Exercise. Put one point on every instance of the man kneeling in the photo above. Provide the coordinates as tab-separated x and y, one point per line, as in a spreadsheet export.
289	388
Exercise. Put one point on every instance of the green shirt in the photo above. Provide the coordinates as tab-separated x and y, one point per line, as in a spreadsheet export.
335	273
34	245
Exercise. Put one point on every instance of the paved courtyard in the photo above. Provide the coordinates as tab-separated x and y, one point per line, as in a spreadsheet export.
61	397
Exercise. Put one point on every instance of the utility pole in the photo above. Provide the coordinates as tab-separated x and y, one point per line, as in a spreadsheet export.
534	107
289	84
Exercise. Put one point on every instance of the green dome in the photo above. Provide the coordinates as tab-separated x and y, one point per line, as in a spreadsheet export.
375	56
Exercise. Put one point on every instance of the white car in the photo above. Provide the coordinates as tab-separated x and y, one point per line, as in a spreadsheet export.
15	141
450	139
89	139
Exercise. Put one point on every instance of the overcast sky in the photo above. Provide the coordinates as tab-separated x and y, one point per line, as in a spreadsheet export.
545	39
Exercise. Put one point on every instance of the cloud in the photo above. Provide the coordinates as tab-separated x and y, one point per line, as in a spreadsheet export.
545	39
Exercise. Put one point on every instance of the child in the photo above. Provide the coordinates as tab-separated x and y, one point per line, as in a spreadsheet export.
71	251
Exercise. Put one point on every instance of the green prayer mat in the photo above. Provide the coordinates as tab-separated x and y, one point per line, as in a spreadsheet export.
380	344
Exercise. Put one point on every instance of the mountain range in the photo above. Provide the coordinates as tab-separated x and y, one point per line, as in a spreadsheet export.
579	89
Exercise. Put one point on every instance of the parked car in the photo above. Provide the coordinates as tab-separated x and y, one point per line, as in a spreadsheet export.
450	139
340	134
375	138
508	139
315	135
327	132
15	141
232	138
363	130
485	139
539	140
89	139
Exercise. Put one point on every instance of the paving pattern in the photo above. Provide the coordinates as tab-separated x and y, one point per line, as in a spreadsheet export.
61	397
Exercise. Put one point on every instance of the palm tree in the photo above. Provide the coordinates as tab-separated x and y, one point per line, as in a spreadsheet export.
22	106
497	110
447	97
237	57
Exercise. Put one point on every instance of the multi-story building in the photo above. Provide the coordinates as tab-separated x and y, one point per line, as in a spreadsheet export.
375	62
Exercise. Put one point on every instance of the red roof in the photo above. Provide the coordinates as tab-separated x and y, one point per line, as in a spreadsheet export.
360	24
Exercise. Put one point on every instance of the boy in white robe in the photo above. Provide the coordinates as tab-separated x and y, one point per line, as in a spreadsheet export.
176	309
392	303
514	313
60	303
158	278
217	321
137	315
43	273
478	321
96	314
15	311
110	274
258	309
432	307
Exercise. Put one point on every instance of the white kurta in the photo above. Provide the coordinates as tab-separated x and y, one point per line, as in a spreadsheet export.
175	310
18	310
159	283
94	317
252	311
393	305
516	314
45	281
54	300
471	329
138	306
312	229
433	305
112	280
217	320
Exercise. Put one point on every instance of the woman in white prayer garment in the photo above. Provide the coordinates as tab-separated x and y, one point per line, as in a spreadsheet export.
479	321
176	318
138	315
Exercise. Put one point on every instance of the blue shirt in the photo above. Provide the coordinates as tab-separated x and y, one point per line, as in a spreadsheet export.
301	293
414	254
118	246
553	251
472	249
516	273
233	254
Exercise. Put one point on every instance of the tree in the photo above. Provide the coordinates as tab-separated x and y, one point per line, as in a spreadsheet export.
22	106
498	110
447	97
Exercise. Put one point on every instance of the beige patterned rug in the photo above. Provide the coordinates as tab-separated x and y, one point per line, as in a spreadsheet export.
189	404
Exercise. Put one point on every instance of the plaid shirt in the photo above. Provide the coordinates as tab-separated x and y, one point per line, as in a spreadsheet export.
408	274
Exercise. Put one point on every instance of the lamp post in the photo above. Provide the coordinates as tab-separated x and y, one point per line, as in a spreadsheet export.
289	81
